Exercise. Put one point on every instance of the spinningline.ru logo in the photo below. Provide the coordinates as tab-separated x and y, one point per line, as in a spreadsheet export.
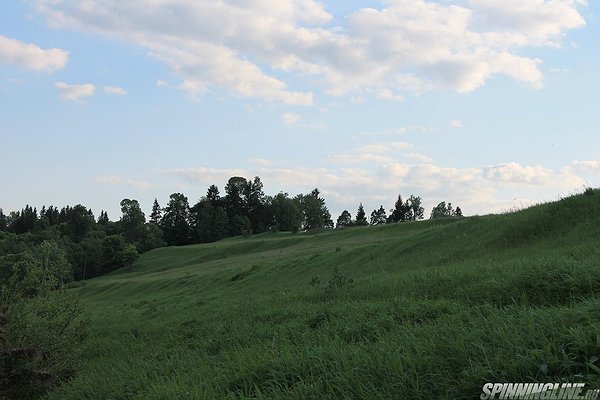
558	391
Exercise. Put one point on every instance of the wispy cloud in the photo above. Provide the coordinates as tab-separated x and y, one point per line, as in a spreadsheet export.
418	157
360	158
398	131
382	147
455	123
115	90
290	118
118	180
370	153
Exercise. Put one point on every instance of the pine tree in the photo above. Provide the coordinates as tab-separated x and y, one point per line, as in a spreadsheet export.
103	218
3	221
213	196
156	214
361	217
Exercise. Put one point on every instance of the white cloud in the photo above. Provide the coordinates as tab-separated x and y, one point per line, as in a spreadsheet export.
359	158
115	90
372	153
372	148
419	157
206	175
118	180
515	173
387	94
290	118
539	22
75	92
400	145
555	70
587	165
30	56
399	131
407	46
382	147
456	123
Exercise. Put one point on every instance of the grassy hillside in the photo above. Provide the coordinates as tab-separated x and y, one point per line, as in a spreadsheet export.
410	311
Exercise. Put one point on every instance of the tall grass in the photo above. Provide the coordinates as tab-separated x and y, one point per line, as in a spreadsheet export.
410	311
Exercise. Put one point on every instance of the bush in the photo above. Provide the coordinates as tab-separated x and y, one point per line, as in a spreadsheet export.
42	327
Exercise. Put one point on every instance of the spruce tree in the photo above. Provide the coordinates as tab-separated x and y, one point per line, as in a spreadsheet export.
361	217
156	214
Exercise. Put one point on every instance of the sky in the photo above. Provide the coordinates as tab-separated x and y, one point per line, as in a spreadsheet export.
490	105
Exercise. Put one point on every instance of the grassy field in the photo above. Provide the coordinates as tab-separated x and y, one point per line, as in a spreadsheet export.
425	310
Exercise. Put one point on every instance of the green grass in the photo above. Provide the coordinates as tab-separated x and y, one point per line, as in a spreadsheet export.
423	310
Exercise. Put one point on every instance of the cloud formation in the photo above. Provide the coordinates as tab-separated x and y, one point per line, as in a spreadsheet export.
75	92
30	56
115	90
118	180
253	48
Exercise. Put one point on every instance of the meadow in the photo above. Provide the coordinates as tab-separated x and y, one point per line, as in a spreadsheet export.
417	310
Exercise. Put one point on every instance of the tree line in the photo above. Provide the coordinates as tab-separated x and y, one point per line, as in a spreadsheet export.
96	246
404	211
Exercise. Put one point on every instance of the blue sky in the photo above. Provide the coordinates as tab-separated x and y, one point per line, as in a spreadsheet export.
490	105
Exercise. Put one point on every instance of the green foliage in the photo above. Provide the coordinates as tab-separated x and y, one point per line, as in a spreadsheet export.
240	225
409	210
132	221
103	218
116	253
443	211
338	281
378	217
76	222
235	203
23	221
287	215
175	221
344	220
3	221
315	212
156	214
41	326
256	208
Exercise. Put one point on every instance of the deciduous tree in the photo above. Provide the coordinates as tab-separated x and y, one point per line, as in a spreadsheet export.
344	220
175	221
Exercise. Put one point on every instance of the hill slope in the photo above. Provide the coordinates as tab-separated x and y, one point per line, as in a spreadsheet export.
417	310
